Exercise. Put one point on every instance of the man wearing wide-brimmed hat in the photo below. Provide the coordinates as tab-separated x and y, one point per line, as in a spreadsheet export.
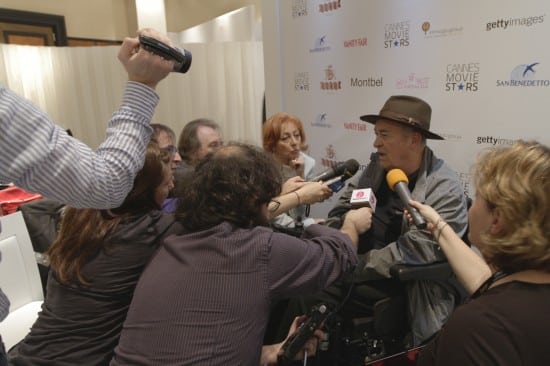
402	128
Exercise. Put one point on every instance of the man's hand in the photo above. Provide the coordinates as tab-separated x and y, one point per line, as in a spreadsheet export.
271	352
356	222
143	66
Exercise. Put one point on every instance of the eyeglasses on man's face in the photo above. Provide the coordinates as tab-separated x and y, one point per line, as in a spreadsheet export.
170	149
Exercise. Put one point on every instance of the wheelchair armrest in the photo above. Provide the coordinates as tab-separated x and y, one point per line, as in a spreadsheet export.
433	271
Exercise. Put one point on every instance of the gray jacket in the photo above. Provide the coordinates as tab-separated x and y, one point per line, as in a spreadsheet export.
437	185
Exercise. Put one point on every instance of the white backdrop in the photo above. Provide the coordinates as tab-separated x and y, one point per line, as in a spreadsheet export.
80	87
484	66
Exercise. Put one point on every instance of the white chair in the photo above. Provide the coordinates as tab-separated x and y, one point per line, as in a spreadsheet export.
19	279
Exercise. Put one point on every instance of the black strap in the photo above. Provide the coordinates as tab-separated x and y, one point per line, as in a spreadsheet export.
485	286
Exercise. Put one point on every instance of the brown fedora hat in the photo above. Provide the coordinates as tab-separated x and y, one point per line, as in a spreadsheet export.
407	110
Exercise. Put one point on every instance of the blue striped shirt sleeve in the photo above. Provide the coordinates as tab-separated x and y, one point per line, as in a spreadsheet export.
39	156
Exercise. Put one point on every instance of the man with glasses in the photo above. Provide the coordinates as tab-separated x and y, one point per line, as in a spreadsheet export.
166	139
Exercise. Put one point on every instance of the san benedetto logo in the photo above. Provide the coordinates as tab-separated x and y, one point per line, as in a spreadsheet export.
321	45
321	121
525	76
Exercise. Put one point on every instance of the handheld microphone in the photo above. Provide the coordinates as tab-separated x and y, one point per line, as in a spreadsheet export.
363	198
347	168
398	182
350	168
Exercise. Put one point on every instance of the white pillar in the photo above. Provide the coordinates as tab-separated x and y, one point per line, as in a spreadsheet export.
151	14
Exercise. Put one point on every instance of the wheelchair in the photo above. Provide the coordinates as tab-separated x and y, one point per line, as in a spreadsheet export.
383	337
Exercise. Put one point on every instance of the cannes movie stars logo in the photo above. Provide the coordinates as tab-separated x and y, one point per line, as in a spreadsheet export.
396	34
465	179
301	81
525	75
330	82
462	77
321	45
299	8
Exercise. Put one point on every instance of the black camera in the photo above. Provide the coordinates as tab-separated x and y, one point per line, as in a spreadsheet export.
182	57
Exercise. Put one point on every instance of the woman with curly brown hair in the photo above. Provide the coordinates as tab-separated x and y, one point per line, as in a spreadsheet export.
506	322
96	261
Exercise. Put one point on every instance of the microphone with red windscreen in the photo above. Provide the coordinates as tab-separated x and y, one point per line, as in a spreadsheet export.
398	182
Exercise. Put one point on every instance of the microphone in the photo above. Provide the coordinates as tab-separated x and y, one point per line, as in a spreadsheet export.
398	182
335	177
346	169
363	198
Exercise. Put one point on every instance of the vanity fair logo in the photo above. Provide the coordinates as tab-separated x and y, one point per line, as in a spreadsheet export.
328	6
356	126
412	81
330	82
525	76
356	42
299	8
397	34
301	81
462	77
321	45
321	121
431	32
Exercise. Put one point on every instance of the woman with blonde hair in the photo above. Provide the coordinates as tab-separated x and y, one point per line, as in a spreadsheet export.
506	321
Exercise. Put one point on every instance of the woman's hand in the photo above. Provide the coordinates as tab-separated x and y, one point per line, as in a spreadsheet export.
431	215
298	165
293	184
313	192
